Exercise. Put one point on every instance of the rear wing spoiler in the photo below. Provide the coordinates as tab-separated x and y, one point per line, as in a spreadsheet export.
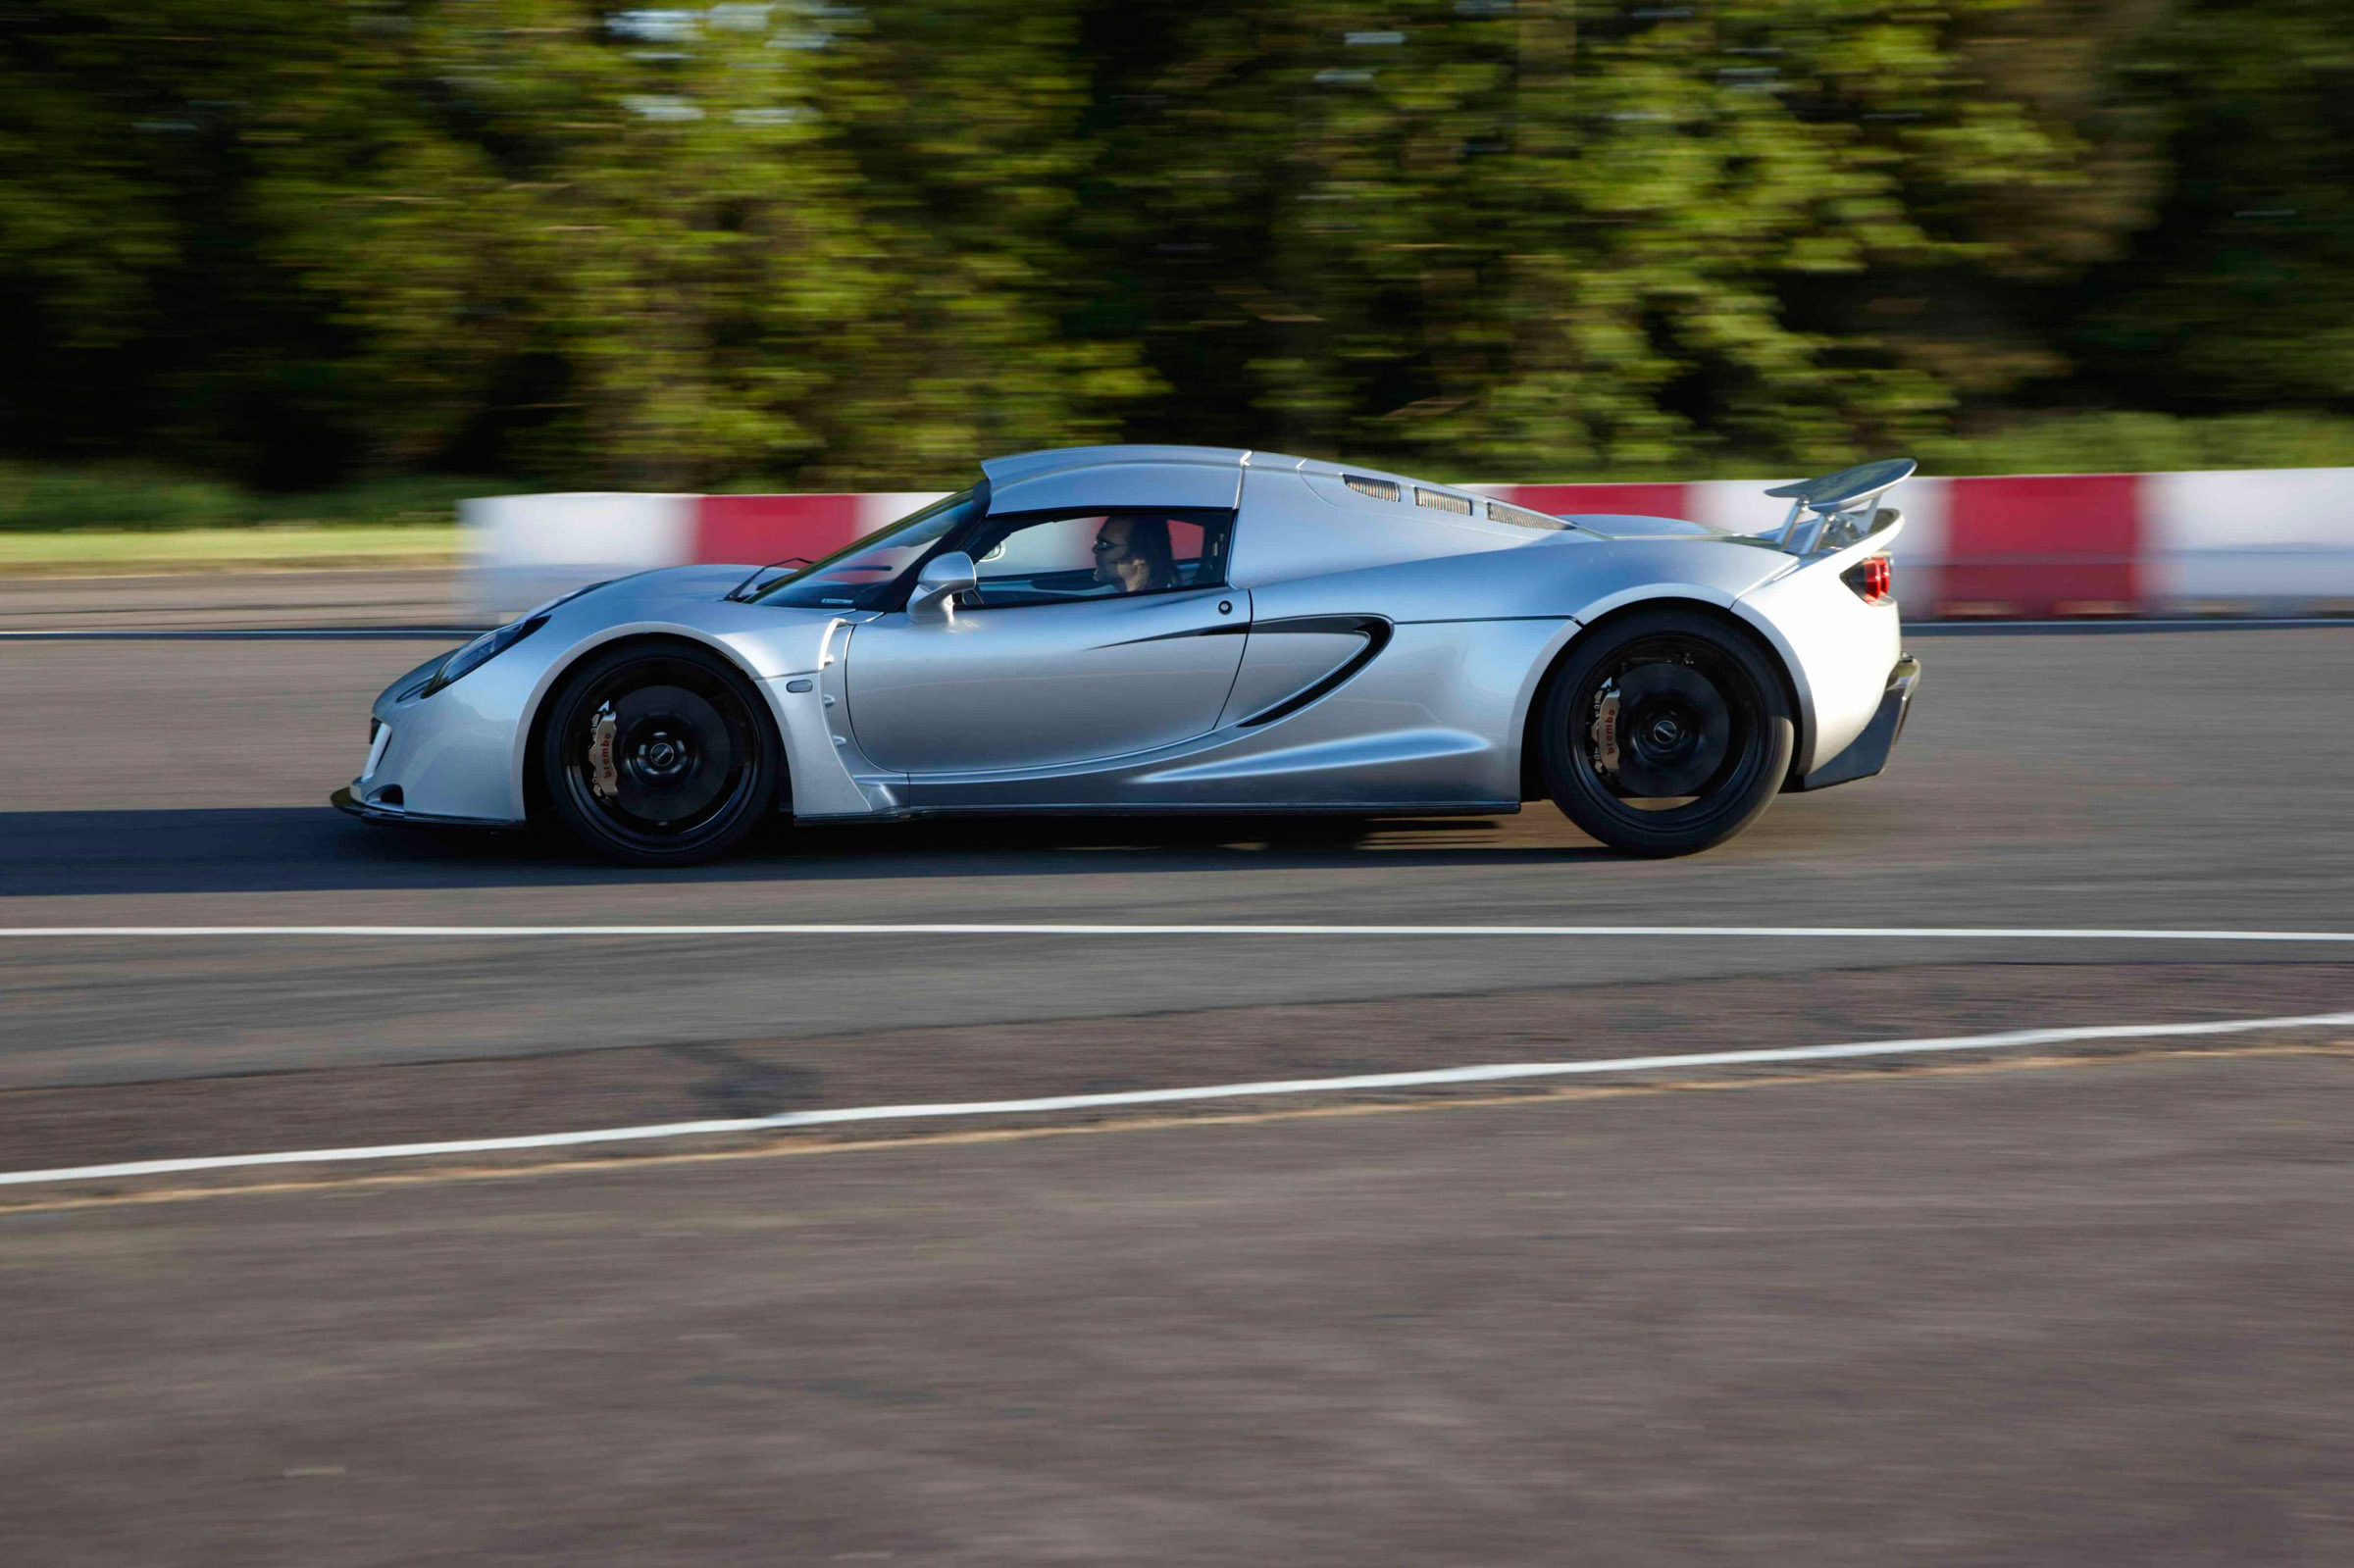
1845	506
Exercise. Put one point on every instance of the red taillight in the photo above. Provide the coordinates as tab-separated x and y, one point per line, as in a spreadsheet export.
1873	579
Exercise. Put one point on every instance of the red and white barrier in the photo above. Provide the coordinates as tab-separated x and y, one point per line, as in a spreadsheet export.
526	548
2264	542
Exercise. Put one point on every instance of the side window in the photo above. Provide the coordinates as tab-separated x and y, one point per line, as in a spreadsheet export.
1098	555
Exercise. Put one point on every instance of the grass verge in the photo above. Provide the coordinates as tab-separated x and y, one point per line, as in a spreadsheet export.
134	553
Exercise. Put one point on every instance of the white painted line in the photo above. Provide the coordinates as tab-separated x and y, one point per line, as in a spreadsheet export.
1073	928
1498	1072
2138	622
369	633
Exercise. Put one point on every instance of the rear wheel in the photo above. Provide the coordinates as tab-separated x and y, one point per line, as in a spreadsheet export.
660	756
1665	733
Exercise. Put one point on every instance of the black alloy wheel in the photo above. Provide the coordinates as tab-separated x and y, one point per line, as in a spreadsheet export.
659	755
1666	732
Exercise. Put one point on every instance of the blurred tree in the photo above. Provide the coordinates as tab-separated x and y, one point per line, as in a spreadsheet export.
594	247
119	208
964	121
813	244
2241	294
657	248
1539	236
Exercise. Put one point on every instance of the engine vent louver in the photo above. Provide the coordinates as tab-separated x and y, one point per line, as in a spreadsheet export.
1441	501
1521	517
1379	489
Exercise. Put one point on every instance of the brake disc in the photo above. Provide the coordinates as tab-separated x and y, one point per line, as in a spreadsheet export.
673	753
1674	730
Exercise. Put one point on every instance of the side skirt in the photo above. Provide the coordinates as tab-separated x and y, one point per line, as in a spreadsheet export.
1130	808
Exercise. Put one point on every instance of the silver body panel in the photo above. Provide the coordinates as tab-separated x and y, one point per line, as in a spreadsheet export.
1365	654
1044	684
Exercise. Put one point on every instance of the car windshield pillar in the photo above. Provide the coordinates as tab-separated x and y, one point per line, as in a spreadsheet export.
866	572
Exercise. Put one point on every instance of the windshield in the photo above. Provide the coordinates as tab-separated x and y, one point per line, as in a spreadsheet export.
854	577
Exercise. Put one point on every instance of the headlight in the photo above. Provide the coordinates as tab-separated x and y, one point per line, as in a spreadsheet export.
495	641
480	651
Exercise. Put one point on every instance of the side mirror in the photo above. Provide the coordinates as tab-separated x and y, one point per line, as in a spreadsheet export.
936	585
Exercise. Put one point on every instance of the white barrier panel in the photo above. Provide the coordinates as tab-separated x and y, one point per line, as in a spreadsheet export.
2254	542
527	548
879	507
2272	539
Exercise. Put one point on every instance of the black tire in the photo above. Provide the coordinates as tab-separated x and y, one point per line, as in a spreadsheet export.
659	754
1665	733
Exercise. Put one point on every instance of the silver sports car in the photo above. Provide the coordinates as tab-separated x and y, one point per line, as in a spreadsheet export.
1168	628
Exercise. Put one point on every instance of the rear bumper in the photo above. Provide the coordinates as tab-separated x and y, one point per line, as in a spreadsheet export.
1868	753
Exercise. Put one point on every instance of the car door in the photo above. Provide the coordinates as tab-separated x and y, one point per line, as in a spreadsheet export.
1054	659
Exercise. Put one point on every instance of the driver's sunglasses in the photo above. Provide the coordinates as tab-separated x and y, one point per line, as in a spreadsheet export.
1101	545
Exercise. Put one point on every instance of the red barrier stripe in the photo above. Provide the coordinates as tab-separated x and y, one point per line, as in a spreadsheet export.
2042	544
1646	500
756	529
2033	545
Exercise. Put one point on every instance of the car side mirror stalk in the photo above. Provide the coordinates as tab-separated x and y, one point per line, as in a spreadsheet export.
936	585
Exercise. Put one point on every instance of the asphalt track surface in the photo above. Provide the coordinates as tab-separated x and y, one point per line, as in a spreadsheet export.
413	596
2080	1306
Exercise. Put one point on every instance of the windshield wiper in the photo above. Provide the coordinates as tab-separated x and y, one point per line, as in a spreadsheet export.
738	594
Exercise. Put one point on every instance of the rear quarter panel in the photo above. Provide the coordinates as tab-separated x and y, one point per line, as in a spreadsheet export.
1475	634
1838	649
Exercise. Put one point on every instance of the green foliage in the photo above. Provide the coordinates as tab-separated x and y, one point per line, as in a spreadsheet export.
651	249
40	497
829	246
2145	444
1535	238
2242	293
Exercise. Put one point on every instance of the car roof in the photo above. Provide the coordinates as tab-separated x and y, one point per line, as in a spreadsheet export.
1057	460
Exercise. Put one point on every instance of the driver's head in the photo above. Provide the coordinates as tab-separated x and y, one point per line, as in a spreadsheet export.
1134	554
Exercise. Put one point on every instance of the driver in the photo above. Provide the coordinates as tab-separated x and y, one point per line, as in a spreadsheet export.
1133	555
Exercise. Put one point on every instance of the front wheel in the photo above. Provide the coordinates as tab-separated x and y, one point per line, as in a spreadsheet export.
1665	733
659	755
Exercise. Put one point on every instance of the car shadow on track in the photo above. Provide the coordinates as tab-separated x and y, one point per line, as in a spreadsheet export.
294	849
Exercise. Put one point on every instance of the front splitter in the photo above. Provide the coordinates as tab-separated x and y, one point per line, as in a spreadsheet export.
345	801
